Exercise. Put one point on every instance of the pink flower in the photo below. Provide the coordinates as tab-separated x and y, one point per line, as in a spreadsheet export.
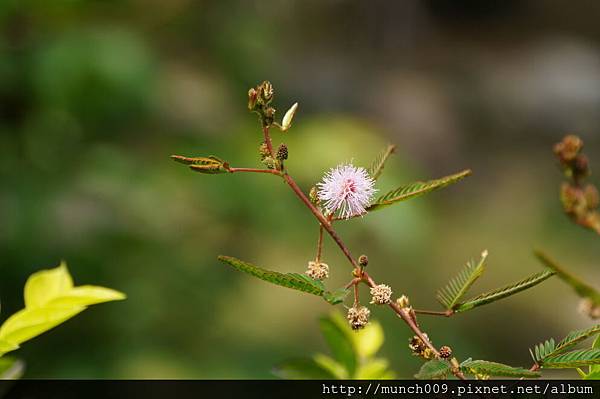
348	189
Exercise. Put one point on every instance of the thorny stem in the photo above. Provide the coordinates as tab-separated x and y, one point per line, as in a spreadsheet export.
326	224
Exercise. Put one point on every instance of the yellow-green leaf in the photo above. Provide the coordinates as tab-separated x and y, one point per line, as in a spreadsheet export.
6	347
86	295
46	285
29	323
369	339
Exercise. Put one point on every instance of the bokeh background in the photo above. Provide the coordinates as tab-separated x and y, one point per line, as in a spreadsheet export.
95	96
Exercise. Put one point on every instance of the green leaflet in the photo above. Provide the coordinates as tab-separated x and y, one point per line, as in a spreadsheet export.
379	162
550	349
415	189
573	359
434	370
504	292
485	367
542	350
583	289
577	336
458	286
294	281
207	165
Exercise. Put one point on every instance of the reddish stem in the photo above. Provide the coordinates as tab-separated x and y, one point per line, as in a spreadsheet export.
268	140
255	170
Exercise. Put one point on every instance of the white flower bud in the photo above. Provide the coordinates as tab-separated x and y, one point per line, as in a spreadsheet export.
288	117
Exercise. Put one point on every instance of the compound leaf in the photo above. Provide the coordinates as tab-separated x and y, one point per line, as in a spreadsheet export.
379	162
415	189
484	367
504	292
459	285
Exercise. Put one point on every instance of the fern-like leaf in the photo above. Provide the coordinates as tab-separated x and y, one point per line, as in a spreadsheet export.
416	189
294	281
549	349
573	359
504	292
459	285
379	162
484	367
434	370
574	337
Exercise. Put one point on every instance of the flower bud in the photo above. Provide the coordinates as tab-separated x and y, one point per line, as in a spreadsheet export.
445	352
268	116
568	148
266	92
363	261
403	301
286	123
252	97
282	152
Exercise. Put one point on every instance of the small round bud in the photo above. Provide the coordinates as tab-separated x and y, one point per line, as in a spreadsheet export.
363	261
252	97
358	317
317	270
282	152
403	301
381	294
445	352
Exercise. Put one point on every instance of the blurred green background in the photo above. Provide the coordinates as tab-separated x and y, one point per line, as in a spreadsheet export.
95	96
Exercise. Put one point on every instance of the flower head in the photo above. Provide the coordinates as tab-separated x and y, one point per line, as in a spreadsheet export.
381	294
346	188
358	317
317	270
